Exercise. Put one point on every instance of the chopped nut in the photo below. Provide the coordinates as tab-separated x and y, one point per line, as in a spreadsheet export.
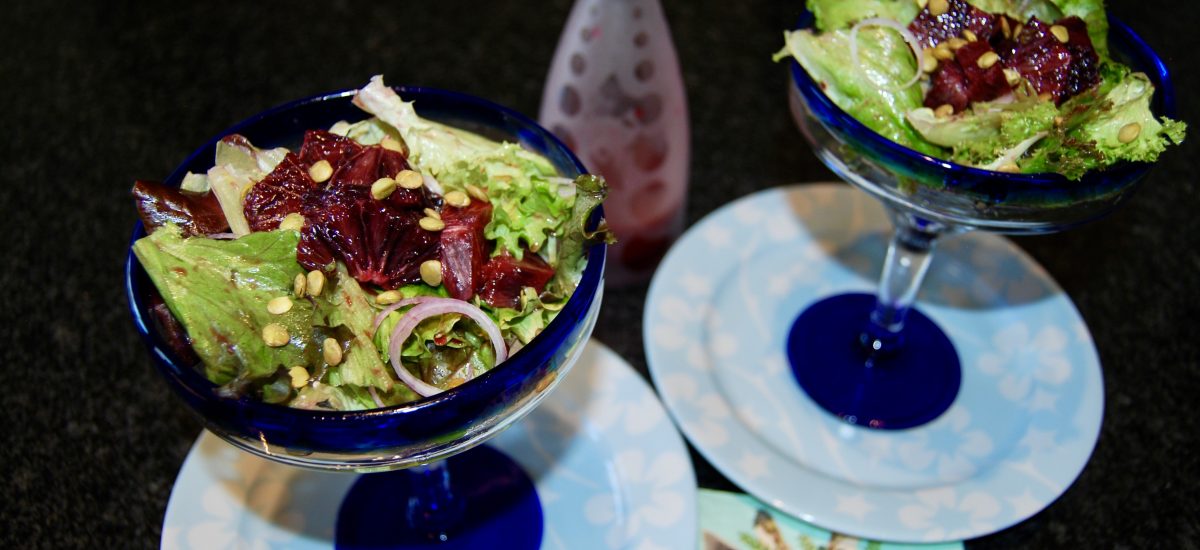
431	224
1046	96
944	110
942	52
275	335
1012	76
969	35
279	306
409	179
1129	132
388	298
299	376
316	282
431	272
299	285
986	60
293	221
1060	32
1005	28
1017	30
383	188
1009	168
929	63
320	171
433	213
938	7
955	43
477	192
332	351
391	144
458	199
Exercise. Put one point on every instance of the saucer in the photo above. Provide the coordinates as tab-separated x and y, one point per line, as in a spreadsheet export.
1018	434
608	466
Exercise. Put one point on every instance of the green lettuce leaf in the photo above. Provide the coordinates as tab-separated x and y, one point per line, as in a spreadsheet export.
347	305
526	322
869	90
333	397
1092	13
440	345
433	147
218	290
569	256
529	200
843	14
1021	10
239	165
990	134
1089	135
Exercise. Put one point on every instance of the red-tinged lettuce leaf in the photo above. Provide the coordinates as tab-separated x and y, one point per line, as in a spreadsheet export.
219	289
194	213
590	192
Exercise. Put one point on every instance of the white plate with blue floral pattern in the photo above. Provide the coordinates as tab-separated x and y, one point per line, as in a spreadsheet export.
1022	428
609	468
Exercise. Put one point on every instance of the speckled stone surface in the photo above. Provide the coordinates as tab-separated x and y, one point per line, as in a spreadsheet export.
97	94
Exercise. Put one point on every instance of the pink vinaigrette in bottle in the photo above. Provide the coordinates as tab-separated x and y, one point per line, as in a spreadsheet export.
615	96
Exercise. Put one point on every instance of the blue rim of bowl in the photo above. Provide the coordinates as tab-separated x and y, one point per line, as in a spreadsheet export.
188	378
1126	41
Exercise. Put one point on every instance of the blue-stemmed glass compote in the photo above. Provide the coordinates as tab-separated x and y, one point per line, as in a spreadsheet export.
424	492
876	361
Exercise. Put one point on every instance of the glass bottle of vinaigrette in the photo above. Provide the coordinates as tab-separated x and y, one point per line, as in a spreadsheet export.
615	96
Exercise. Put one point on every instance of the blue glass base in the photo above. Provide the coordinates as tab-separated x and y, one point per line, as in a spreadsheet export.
901	388
496	504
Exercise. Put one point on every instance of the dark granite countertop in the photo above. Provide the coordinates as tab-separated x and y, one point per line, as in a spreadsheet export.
97	94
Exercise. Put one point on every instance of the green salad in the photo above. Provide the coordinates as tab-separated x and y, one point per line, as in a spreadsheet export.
382	261
1015	86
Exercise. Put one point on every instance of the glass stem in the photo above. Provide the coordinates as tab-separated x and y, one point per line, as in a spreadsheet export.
907	261
432	507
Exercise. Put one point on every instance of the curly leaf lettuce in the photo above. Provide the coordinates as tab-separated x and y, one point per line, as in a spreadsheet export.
1090	135
870	89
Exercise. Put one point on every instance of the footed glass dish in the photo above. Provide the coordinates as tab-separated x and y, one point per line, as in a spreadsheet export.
874	360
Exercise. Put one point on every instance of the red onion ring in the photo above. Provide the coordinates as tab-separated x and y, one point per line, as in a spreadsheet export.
405	302
428	307
375	396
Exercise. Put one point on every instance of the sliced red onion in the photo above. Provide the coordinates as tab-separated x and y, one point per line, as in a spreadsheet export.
375	396
405	302
904	32
432	184
429	307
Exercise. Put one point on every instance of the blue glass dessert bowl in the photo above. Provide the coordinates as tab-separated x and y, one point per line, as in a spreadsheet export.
874	360
417	433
